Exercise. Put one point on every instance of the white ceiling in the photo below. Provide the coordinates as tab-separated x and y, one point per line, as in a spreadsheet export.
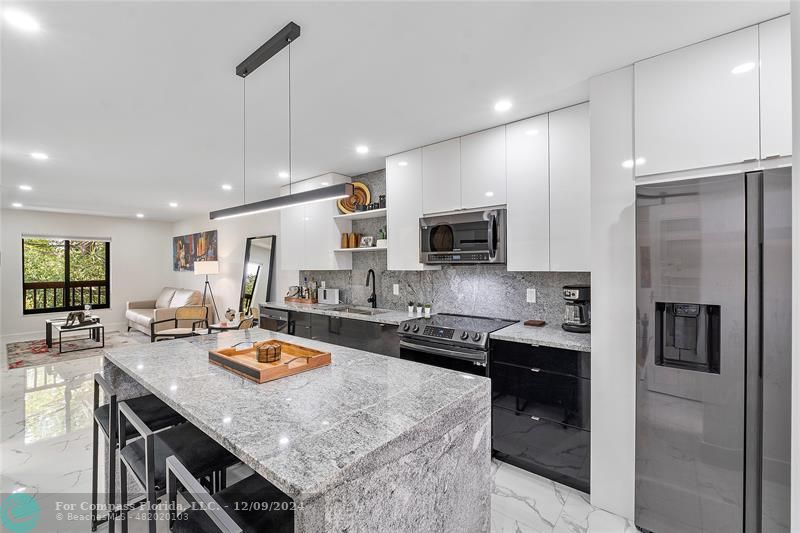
137	104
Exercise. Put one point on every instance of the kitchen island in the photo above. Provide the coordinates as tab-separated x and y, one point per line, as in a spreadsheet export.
369	443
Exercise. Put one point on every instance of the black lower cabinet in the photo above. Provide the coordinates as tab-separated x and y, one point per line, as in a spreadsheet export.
555	451
541	407
352	333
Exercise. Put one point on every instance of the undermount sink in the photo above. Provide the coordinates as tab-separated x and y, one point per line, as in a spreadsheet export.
357	310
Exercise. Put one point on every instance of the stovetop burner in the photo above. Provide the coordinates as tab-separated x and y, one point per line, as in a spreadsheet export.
453	329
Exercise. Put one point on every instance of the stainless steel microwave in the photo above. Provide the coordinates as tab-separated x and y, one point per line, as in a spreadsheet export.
471	237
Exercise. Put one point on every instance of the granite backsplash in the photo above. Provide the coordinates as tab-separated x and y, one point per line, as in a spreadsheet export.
487	290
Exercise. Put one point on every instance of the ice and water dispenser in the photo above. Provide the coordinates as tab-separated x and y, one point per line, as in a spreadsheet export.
688	336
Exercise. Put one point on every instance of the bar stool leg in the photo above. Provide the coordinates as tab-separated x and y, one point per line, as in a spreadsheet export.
95	430
123	492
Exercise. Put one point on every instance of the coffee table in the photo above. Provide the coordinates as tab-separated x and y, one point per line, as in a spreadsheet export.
96	332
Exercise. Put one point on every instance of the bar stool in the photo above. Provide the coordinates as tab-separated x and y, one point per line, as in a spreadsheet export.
251	505
146	458
157	414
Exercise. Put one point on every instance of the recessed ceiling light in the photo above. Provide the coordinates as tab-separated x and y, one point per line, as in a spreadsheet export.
502	105
402	164
532	132
628	163
16	204
139	215
744	67
226	187
640	161
325	184
283	174
41	156
362	149
25	188
173	204
21	20
489	194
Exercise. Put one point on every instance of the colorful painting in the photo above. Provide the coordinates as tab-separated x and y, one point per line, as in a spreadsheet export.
187	249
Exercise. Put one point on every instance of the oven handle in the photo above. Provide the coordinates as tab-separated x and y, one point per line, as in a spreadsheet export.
468	356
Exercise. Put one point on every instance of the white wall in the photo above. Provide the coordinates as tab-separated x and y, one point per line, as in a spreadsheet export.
140	257
795	497
613	198
231	236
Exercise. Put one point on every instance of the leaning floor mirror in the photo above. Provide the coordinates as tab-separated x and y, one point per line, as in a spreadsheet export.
259	257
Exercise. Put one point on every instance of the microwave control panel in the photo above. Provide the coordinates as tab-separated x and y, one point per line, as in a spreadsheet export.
476	257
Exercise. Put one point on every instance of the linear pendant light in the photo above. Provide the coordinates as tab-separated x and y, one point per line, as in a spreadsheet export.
264	53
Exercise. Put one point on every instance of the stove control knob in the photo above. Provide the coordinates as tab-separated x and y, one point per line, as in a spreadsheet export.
476	337
406	327
464	335
415	329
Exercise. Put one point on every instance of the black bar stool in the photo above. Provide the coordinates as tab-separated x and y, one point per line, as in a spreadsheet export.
157	414
251	505
146	458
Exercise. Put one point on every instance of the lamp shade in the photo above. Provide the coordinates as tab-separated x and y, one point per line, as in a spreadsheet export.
202	268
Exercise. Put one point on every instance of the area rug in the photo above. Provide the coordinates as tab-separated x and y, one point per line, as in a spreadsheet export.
33	353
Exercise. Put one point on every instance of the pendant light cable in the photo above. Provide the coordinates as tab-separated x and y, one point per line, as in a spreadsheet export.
289	78
244	140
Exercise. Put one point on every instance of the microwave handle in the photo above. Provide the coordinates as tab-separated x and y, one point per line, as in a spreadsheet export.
491	228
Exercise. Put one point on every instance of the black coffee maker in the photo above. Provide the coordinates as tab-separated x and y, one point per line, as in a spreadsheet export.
577	313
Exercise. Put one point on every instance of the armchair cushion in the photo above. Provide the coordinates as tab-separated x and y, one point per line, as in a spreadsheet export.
164	299
141	316
184	297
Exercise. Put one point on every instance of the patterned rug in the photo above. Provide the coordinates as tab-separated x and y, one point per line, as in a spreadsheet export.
33	353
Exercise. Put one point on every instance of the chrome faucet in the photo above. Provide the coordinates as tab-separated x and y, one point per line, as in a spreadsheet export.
372	299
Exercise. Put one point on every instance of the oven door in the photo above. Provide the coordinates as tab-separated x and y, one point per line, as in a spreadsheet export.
475	237
444	356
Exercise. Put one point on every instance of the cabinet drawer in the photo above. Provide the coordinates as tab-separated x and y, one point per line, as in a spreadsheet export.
556	451
557	397
569	362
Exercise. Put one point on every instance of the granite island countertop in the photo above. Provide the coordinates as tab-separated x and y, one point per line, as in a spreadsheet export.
548	335
387	316
319	430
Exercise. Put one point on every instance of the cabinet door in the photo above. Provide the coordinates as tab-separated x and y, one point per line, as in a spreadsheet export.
441	177
698	106
403	210
776	88
528	189
483	168
292	238
322	234
569	189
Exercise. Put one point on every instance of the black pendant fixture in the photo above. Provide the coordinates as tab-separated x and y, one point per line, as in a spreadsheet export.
264	53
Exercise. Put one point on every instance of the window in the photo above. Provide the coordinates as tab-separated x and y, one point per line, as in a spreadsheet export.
65	274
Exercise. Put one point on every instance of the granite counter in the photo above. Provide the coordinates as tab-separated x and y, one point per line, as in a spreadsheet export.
547	335
369	443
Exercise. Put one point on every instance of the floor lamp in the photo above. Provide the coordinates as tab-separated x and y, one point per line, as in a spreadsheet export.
204	268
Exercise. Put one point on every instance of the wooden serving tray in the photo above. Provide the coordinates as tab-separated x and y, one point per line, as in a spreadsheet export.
294	359
299	300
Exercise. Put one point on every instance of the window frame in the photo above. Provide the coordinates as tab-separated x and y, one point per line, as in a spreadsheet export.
66	286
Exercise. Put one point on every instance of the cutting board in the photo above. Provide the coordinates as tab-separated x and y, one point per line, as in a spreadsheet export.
294	359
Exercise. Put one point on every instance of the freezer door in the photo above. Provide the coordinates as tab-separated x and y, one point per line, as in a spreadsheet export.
776	349
690	413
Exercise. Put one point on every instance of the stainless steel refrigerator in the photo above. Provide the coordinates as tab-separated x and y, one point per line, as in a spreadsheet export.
713	354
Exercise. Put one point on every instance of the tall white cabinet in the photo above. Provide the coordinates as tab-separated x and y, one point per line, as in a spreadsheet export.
404	193
441	168
483	168
569	189
309	234
776	88
528	177
698	106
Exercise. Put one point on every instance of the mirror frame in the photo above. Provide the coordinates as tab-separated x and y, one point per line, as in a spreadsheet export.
247	260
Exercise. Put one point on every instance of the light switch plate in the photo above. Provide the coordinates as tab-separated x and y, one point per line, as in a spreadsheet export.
531	296
396	289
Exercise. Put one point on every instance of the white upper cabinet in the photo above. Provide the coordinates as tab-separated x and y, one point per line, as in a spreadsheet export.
569	190
309	233
698	106
483	168
441	177
776	88
528	169
403	210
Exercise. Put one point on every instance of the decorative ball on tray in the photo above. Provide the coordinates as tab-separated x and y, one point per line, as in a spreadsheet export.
360	196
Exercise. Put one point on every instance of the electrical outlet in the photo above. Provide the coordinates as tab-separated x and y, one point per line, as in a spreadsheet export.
396	289
531	296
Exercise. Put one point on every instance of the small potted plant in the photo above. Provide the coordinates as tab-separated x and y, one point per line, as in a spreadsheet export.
419	309
427	310
411	308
